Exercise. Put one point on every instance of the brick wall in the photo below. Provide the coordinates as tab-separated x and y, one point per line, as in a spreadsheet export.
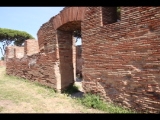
38	67
18	52
2	63
121	60
65	57
31	47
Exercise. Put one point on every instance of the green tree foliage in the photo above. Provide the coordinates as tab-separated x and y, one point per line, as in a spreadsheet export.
8	36
118	12
2	58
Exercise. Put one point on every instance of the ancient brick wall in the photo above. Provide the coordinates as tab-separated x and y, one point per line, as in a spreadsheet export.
122	59
31	47
65	57
2	63
18	52
33	66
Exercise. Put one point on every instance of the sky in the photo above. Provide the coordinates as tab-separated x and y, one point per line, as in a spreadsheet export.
27	19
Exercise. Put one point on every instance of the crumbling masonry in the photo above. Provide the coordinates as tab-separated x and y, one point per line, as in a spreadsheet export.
120	59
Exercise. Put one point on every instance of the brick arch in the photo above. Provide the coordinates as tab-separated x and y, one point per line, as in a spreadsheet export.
68	14
68	20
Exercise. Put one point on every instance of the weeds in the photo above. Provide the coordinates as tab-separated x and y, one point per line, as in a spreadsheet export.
94	101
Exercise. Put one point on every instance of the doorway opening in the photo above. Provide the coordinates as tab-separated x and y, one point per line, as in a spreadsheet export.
68	36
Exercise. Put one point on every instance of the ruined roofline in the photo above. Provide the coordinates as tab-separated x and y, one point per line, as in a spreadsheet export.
30	47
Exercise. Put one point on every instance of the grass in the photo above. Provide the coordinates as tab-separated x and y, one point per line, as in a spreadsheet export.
30	96
39	86
21	91
1	108
94	101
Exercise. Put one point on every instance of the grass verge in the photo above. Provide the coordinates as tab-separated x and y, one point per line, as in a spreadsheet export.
94	101
21	90
1	108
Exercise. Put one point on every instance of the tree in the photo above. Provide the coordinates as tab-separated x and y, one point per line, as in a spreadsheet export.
8	36
2	58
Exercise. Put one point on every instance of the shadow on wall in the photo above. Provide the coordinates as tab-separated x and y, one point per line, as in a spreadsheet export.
126	90
79	61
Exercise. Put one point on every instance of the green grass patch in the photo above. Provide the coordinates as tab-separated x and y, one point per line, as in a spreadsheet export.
19	89
46	89
39	88
15	95
94	101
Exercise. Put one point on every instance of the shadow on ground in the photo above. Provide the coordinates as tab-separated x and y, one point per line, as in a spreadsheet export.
79	94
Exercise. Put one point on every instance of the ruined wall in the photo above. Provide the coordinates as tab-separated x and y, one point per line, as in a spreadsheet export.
2	63
122	59
26	63
66	59
30	47
42	63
